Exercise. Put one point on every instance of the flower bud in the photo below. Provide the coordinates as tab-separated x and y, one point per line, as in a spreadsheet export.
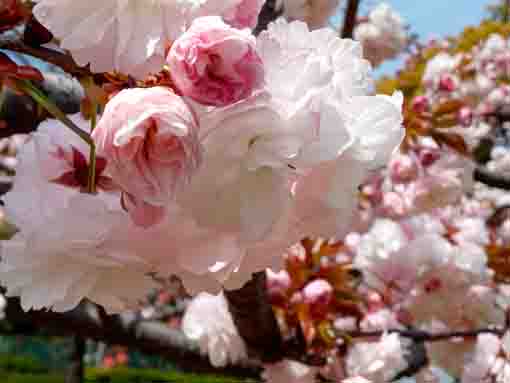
149	138
318	294
215	64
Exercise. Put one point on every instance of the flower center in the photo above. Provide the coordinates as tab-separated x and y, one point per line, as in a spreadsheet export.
78	176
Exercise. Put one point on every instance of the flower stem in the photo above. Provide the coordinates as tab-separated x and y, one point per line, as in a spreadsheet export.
91	186
43	100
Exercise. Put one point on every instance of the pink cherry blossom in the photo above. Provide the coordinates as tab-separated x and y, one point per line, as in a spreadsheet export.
149	138
215	64
100	32
277	284
217	336
447	83
382	35
380	361
420	104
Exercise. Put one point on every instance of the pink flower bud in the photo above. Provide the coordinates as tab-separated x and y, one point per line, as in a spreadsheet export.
149	138
432	285
215	64
447	83
373	189
374	302
465	115
296	298
277	285
295	253
420	104
428	156
318	295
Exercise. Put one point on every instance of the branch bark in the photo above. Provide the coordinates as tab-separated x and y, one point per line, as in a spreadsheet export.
128	329
62	60
350	18
424	336
75	372
267	14
491	179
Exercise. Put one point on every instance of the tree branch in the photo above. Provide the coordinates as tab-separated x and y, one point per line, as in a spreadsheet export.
75	370
128	329
62	60
267	14
350	18
491	179
424	336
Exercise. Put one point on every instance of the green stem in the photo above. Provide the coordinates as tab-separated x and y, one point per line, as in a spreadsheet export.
2	98
27	87
91	186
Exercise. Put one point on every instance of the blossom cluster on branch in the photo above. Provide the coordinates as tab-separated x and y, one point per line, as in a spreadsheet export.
209	153
208	169
419	287
382	34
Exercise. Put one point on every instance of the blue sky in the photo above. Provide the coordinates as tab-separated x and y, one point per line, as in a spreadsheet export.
433	17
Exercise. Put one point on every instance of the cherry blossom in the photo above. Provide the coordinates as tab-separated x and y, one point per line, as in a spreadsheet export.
100	32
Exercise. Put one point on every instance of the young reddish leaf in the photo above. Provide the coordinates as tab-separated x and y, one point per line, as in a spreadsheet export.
11	13
452	140
29	73
7	66
306	322
499	262
446	121
448	107
327	333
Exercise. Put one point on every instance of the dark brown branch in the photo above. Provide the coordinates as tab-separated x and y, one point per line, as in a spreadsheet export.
491	179
75	370
350	18
267	14
62	60
129	329
424	336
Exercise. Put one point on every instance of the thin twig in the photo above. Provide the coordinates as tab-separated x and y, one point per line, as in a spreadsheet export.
46	103
491	179
75	371
62	60
424	336
91	187
350	18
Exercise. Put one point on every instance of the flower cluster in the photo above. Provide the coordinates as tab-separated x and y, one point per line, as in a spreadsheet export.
424	261
101	33
382	34
238	149
209	170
